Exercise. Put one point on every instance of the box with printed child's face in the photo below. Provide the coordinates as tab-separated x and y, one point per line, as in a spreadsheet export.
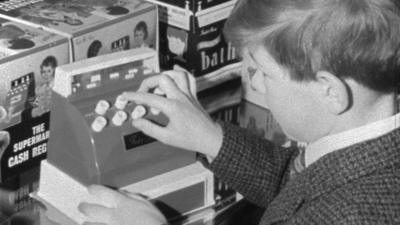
28	57
94	27
194	40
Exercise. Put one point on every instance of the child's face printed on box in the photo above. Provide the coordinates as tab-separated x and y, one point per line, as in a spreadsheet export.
176	45
47	73
139	37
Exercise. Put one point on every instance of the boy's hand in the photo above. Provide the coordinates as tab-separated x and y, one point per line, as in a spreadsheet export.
190	127
121	209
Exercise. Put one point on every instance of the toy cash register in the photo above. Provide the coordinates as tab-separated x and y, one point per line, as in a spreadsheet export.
92	140
91	133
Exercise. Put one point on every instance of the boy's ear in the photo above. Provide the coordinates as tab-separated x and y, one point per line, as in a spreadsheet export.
334	92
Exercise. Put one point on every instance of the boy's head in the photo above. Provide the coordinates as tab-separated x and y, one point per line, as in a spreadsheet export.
354	39
321	64
48	67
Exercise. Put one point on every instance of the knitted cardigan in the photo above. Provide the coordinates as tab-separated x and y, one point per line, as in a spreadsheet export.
359	184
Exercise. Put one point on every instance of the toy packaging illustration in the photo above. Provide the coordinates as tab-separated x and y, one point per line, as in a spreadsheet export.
29	58
94	27
194	39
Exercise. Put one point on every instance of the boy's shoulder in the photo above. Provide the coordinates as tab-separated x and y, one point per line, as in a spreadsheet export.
374	199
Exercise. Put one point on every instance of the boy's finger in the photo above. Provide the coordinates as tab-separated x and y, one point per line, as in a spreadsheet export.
180	78
190	77
149	83
154	101
163	81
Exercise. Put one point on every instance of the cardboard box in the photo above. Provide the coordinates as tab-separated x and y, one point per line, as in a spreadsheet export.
94	27
194	40
14	192
194	5
28	58
260	121
223	103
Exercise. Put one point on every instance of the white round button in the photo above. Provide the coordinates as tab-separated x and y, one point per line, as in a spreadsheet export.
138	112
119	118
120	102
99	123
102	107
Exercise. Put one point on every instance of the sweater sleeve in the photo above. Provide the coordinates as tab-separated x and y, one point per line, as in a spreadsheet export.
251	165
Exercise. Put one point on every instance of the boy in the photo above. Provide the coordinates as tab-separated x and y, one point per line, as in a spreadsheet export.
329	71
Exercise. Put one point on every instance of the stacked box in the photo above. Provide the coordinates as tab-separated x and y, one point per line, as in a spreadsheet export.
260	122
223	103
193	39
194	5
14	192
28	60
28	57
94	27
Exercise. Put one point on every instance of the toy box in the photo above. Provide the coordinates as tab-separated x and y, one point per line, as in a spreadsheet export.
14	192
194	40
194	5
28	60
223	101
259	121
94	27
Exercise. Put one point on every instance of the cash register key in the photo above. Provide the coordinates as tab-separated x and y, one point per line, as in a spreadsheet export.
138	112
119	118
120	102
102	107
99	123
